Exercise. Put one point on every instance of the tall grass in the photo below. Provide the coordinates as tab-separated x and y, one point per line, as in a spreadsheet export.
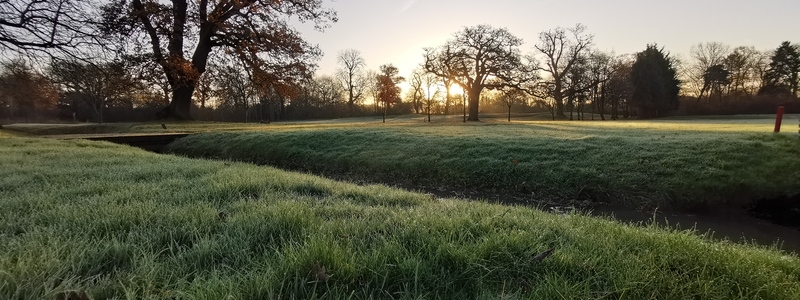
678	164
106	221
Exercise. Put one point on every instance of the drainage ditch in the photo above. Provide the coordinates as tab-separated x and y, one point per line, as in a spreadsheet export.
767	222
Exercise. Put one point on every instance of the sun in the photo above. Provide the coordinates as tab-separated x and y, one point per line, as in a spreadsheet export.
456	89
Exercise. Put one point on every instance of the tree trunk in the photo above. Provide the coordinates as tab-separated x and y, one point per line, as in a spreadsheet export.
447	102
429	113
102	103
558	98
602	103
571	108
509	113
181	102
464	107
474	98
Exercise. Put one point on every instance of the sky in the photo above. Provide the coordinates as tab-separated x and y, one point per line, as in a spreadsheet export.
396	31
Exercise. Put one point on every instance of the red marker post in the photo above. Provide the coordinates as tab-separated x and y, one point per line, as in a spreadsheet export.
779	119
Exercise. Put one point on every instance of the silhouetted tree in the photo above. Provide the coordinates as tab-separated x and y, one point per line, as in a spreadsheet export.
256	32
351	69
24	92
618	92
704	56
577	83
388	91
373	88
328	92
480	57
562	49
442	68
655	83
510	97
782	75
416	92
234	90
97	85
430	84
601	68
743	63
714	79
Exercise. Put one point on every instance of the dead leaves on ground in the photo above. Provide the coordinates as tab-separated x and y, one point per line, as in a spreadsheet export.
72	295
319	273
541	256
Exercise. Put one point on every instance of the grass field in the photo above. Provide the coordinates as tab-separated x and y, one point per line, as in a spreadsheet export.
667	163
81	218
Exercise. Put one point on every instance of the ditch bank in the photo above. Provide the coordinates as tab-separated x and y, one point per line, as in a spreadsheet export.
767	222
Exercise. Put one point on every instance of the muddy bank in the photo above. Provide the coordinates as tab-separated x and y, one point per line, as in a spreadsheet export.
782	210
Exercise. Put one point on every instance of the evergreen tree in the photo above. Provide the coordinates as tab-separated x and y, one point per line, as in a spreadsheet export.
655	83
782	75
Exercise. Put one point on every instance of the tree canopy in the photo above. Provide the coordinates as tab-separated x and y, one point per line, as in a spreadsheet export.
782	75
480	57
256	32
655	83
563	49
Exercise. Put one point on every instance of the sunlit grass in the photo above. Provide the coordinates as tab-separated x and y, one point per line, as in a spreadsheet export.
744	123
116	222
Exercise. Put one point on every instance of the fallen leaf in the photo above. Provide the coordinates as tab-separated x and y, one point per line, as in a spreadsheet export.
223	216
319	273
543	255
72	295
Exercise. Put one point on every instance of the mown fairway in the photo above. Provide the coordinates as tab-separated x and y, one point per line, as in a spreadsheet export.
106	221
667	163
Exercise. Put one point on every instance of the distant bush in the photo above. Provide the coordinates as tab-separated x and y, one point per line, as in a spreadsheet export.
737	105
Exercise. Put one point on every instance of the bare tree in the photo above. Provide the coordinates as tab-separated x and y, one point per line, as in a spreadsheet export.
416	93
618	91
256	32
577	84
350	73
47	25
234	89
561	49
480	57
328	90
704	56
98	85
743	65
373	88
205	89
510	97
601	68
430	83
443	70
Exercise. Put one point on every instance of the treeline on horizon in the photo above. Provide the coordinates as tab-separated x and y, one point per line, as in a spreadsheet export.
564	75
